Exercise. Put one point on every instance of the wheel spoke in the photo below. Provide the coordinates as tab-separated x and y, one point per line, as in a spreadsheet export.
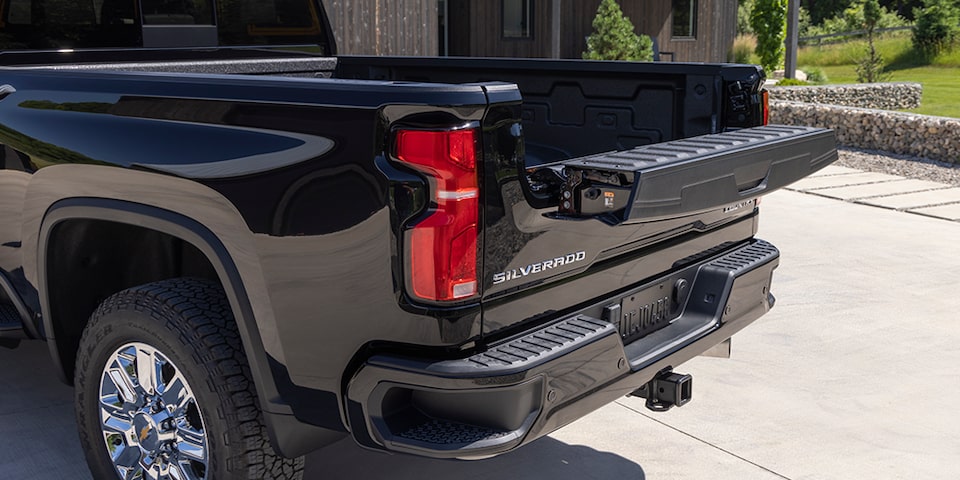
176	473
148	370
115	420
127	461
135	473
125	385
153	473
125	377
175	394
191	444
182	471
126	457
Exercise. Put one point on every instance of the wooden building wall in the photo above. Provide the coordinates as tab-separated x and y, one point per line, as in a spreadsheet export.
384	27
576	24
476	28
716	27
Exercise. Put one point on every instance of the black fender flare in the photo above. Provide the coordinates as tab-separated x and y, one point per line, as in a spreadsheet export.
289	436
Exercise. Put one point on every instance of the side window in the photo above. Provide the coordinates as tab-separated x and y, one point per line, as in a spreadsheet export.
62	12
19	12
177	12
59	24
684	19
117	12
74	24
517	18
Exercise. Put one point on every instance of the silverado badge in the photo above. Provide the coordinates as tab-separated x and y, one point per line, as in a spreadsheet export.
539	267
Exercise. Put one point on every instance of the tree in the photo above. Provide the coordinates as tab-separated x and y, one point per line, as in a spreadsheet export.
769	22
821	10
613	37
744	7
851	20
904	8
936	26
870	66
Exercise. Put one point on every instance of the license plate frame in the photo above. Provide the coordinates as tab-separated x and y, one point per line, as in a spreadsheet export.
653	306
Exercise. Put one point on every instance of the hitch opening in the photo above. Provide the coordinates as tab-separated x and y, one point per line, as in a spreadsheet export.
666	390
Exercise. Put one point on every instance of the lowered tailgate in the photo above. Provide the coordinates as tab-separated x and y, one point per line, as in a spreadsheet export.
697	174
562	234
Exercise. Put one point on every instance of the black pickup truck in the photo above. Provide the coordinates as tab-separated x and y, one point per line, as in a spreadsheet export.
239	252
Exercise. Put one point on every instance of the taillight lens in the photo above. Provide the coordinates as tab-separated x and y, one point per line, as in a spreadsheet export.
443	246
765	95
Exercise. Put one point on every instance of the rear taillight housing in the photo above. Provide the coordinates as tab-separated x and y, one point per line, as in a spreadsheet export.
442	246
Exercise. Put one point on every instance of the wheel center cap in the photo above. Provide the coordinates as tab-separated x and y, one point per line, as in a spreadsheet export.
147	432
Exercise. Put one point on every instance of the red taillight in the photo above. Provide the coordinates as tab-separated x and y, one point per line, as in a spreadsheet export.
443	246
765	95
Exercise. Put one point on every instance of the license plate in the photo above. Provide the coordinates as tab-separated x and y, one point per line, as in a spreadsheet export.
650	309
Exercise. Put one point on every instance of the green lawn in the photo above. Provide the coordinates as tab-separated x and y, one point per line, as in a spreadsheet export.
939	76
941	86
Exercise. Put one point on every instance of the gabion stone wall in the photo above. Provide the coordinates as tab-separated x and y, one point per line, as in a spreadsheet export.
885	96
936	138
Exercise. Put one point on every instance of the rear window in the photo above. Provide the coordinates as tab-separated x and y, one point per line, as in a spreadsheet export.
68	24
268	22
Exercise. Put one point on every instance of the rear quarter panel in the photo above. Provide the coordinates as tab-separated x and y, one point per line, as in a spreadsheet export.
290	174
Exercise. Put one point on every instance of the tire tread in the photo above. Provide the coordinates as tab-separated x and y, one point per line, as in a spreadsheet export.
196	311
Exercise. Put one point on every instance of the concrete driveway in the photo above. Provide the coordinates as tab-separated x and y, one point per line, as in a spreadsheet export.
854	374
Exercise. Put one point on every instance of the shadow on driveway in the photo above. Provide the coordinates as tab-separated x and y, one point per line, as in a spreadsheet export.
544	458
38	441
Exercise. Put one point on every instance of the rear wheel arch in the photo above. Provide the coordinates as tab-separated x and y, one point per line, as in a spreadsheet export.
62	328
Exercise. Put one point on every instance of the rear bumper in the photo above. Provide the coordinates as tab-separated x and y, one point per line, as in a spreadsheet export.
543	379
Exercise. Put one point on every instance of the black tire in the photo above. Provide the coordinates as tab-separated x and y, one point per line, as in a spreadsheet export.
186	324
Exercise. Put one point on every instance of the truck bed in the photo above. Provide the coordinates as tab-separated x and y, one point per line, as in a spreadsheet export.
569	108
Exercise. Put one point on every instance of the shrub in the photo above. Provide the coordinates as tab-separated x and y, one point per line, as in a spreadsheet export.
744	7
613	37
936	26
852	19
815	74
769	22
824	9
743	47
870	65
791	82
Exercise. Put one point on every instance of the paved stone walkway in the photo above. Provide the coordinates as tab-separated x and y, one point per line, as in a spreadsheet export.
881	190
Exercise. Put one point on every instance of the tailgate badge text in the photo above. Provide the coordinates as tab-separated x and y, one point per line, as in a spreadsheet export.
539	267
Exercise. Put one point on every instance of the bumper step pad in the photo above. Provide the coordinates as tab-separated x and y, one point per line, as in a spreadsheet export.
10	320
529	347
744	259
11	327
441	432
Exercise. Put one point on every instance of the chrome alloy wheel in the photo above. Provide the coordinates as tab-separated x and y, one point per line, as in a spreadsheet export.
151	423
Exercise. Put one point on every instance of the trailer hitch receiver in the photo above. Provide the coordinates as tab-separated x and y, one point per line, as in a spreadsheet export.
666	390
